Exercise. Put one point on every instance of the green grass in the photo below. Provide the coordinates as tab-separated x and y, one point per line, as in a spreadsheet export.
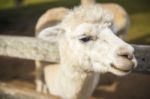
6	4
139	11
140	28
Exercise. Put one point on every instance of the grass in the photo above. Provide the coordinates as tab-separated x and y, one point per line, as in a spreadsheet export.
139	11
6	4
140	28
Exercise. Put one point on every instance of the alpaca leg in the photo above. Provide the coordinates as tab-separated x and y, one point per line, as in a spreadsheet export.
45	90
39	76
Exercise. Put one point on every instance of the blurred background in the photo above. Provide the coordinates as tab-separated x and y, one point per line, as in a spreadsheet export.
18	17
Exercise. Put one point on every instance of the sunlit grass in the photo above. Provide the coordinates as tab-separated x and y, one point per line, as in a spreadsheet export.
6	4
140	28
140	25
29	2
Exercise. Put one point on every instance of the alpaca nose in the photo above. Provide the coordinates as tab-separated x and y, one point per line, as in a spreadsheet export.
126	51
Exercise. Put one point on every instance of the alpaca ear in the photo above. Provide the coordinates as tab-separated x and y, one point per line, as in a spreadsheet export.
51	33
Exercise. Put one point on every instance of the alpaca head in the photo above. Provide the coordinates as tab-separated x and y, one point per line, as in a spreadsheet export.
87	42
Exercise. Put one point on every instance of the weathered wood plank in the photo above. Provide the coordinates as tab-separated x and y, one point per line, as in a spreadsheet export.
142	53
11	92
28	48
33	48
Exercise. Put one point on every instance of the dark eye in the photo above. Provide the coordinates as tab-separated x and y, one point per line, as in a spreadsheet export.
86	39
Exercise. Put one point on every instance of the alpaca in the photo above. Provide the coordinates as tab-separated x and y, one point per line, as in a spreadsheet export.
88	46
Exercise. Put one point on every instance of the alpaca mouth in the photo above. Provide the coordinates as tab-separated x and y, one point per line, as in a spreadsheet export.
119	69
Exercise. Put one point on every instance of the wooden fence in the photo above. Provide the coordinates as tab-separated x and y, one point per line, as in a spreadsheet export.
36	49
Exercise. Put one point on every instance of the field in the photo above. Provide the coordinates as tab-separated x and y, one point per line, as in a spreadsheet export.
22	21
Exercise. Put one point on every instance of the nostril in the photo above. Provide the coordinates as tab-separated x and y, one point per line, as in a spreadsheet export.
128	56
125	51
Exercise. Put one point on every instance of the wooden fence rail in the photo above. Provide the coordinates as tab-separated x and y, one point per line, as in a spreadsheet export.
33	48
28	48
11	92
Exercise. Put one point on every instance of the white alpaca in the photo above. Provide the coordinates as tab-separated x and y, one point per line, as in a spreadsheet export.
88	46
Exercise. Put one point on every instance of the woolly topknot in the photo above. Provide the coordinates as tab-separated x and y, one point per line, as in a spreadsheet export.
87	14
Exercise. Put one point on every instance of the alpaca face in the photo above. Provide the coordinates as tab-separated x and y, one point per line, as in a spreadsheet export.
94	47
88	43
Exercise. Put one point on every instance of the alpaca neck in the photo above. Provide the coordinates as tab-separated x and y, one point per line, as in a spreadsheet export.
76	84
72	82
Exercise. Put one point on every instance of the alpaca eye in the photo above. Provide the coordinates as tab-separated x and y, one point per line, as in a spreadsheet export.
86	39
